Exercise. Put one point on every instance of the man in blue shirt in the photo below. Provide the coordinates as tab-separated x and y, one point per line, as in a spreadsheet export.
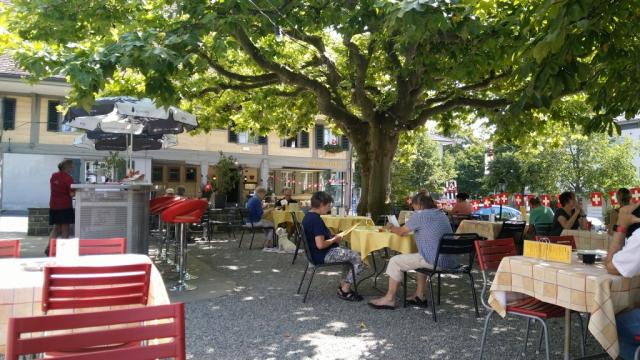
428	225
255	215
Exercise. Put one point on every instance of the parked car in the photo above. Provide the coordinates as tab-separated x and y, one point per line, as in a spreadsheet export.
508	213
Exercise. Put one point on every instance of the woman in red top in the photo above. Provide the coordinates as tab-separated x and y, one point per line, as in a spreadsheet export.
60	204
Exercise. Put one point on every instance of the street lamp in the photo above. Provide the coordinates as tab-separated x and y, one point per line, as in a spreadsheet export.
501	186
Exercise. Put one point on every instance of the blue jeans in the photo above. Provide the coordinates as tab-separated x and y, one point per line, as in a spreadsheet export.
628	324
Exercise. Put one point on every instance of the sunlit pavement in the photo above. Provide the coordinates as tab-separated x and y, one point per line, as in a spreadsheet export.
245	307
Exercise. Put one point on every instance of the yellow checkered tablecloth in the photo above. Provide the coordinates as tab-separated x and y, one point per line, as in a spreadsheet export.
337	223
282	216
21	293
487	229
575	286
588	240
366	240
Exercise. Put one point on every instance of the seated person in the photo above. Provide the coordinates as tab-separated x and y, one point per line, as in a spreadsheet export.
181	191
539	214
624	198
462	206
256	213
287	199
324	248
623	259
570	216
428	225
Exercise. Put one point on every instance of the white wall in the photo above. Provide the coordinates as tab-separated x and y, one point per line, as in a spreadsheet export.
25	180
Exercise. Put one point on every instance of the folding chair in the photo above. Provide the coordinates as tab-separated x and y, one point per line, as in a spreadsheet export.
311	264
450	244
142	327
490	253
9	248
95	246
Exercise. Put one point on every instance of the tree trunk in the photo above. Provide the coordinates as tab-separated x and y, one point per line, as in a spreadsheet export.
381	152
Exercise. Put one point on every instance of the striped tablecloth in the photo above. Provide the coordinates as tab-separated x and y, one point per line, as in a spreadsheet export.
575	286
21	292
589	240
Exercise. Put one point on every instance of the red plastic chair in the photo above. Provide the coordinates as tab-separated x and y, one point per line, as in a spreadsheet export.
186	212
490	254
9	248
562	240
96	246
143	325
68	287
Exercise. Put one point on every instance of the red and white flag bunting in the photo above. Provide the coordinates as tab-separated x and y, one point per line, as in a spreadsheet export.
596	198
613	198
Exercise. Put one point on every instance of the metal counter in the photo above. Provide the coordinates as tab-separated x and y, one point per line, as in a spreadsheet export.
114	210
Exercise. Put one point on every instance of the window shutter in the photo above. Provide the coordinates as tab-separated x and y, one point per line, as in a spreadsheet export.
233	137
53	116
304	139
8	114
262	140
344	142
319	136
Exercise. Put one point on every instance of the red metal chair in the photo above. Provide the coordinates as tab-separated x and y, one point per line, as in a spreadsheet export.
143	325
490	253
562	240
9	248
68	287
181	214
112	246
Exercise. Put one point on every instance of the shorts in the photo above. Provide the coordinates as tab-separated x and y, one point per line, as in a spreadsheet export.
61	216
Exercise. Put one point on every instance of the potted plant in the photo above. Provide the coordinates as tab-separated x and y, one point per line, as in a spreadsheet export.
226	179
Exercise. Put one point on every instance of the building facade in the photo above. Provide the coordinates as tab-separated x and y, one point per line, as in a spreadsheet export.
34	139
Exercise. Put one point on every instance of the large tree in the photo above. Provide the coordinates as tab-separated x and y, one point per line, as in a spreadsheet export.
375	68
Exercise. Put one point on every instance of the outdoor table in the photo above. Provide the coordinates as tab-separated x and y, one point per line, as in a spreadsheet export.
368	239
589	240
487	229
338	223
21	292
404	216
575	286
282	216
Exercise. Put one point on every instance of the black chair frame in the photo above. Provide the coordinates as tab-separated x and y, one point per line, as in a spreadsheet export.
514	229
314	266
250	226
450	244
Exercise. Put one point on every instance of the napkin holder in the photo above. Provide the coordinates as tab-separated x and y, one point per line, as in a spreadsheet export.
545	250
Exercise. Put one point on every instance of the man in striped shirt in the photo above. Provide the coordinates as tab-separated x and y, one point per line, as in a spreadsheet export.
428	225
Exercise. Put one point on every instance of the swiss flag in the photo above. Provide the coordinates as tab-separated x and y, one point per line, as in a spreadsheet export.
504	198
596	198
613	198
486	201
517	198
545	199
475	204
558	205
635	195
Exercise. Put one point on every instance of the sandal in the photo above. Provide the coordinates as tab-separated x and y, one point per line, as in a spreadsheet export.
349	296
416	301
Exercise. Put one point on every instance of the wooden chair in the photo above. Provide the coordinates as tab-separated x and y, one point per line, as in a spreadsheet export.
562	240
110	246
143	325
68	287
9	248
490	253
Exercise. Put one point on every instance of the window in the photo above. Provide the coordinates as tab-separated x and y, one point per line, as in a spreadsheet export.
246	137
299	141
174	174
8	114
325	137
54	118
157	174
190	175
330	138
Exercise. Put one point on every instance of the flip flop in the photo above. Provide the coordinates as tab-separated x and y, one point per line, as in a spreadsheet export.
418	302
381	307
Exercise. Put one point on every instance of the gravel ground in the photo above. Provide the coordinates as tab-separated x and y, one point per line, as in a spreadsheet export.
263	318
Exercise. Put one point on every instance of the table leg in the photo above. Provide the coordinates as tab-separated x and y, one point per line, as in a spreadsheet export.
567	333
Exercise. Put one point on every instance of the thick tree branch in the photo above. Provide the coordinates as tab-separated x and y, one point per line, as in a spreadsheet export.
425	114
360	65
326	102
235	76
221	87
483	84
